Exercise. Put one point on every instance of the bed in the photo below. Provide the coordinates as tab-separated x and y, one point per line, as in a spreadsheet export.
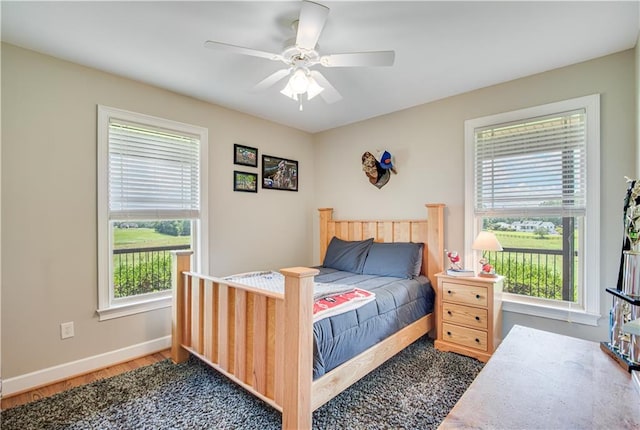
239	329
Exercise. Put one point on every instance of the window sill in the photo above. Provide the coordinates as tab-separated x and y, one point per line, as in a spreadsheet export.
131	308
552	310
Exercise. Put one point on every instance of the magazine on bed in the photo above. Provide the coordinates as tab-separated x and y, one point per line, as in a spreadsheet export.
339	303
329	298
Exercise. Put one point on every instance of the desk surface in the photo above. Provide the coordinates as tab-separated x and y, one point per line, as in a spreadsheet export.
541	380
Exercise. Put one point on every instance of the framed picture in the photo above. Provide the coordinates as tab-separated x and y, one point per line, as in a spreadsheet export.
279	173
245	181
245	155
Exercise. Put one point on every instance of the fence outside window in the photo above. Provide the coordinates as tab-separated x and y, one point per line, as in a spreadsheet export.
534	273
142	270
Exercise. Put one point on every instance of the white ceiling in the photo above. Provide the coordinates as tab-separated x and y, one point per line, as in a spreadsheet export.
442	48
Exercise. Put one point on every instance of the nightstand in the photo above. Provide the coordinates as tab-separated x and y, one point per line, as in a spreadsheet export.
469	315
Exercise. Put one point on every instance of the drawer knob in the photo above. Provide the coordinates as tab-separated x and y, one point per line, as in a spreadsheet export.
448	333
477	318
478	296
477	340
449	312
449	292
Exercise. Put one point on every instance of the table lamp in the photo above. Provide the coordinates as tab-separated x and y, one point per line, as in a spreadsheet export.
486	241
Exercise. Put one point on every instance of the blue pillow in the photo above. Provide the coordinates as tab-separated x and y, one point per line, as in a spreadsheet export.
399	259
347	255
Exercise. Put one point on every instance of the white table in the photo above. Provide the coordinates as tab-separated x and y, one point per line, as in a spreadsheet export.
541	380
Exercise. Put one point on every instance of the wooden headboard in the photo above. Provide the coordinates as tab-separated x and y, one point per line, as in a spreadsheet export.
429	231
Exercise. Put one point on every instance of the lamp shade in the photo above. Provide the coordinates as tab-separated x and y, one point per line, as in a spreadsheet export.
287	91
299	82
313	89
486	241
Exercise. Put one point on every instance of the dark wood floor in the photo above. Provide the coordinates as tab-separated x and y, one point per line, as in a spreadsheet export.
49	390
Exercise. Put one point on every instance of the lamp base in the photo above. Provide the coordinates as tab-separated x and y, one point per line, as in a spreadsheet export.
487	275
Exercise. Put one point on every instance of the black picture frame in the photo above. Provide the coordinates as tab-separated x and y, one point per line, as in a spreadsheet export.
245	155
245	181
279	173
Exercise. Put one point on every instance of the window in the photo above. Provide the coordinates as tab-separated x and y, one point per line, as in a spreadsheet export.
151	200
533	177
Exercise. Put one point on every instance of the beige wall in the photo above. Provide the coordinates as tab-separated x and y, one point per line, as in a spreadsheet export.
428	142
49	248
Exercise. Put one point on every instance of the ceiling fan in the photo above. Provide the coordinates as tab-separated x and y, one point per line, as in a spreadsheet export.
301	54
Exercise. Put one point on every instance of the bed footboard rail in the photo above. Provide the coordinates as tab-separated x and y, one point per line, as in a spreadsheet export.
255	337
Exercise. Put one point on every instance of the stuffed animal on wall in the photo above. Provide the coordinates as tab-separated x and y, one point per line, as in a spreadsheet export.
385	161
377	169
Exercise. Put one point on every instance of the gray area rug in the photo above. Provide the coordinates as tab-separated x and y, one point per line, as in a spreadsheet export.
414	390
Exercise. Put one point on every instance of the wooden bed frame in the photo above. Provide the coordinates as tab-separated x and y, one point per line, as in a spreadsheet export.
240	331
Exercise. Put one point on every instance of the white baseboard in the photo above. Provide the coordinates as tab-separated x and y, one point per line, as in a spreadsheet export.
60	372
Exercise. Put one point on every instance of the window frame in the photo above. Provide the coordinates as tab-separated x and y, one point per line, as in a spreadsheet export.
108	307
587	310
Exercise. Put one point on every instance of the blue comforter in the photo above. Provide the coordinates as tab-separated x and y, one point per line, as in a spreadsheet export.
399	302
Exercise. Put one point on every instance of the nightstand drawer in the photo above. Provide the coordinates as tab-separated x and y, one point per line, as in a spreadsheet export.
468	337
466	315
465	294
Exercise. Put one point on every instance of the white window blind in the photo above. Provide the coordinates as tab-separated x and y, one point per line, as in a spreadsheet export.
537	167
153	173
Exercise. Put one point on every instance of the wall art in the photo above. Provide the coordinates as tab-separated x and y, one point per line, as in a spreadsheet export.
378	169
279	173
245	181
245	155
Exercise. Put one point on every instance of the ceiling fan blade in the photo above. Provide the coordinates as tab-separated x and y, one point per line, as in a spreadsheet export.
330	94
310	24
271	79
242	50
359	59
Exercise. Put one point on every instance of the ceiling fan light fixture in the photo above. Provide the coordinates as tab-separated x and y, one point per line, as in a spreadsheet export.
313	89
287	91
299	81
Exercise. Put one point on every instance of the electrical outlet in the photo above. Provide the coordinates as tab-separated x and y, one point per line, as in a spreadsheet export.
66	330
